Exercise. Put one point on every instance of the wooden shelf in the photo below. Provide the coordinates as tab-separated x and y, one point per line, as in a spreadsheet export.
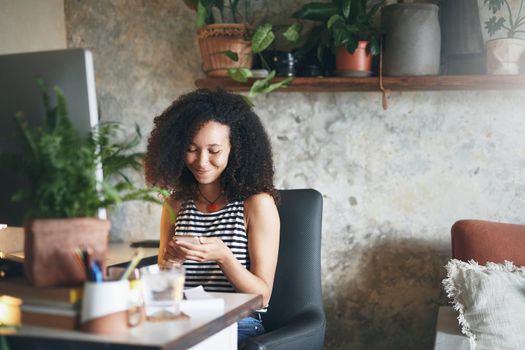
405	83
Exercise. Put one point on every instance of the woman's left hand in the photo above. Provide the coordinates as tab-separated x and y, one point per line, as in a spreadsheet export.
209	249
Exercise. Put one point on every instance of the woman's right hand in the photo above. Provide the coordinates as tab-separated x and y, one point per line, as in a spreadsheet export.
172	253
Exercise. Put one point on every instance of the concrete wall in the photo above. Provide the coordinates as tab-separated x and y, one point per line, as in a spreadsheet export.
393	181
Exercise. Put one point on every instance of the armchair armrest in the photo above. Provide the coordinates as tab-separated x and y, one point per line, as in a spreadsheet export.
485	241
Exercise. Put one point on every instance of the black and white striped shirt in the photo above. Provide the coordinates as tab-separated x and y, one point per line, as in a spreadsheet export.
226	224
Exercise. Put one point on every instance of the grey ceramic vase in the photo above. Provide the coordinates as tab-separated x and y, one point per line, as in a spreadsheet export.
413	39
462	50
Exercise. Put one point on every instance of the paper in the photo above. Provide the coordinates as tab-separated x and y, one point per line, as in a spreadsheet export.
197	293
199	303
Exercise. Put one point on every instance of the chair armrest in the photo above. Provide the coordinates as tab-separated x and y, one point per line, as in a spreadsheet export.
305	332
485	241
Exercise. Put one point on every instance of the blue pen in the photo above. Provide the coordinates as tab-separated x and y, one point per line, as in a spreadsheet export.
96	271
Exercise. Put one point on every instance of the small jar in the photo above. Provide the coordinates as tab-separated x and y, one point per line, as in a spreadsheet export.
136	313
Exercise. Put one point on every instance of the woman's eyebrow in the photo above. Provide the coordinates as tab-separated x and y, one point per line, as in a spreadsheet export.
208	145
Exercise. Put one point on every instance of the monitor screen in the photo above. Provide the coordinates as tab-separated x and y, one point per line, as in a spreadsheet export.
72	71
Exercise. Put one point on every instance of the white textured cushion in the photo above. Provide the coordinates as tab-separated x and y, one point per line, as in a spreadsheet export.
490	300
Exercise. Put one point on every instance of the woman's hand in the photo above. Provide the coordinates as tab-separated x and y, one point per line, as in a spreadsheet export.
172	253
209	249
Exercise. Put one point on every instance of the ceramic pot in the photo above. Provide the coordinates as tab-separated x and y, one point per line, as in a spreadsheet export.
413	39
358	63
215	39
285	64
504	56
462	47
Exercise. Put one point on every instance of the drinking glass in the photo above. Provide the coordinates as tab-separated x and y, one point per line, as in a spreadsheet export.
163	289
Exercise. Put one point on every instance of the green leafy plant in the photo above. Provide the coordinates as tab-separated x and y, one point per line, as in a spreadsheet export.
511	24
261	37
219	11
60	165
343	23
261	40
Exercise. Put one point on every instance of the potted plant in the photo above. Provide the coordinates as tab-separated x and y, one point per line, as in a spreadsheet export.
223	28
504	54
353	35
227	48
64	191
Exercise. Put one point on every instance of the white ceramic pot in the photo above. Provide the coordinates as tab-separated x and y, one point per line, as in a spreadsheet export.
504	56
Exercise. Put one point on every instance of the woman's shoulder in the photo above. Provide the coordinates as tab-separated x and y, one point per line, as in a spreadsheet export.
259	201
175	204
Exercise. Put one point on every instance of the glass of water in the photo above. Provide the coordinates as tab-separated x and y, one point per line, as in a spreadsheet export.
163	289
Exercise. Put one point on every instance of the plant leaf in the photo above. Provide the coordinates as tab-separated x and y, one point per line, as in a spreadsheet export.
262	38
346	6
202	14
293	32
494	5
231	55
240	74
50	116
351	45
264	86
316	11
494	24
373	10
374	46
332	20
27	136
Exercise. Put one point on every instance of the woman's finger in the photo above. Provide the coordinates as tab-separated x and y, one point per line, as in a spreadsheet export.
194	257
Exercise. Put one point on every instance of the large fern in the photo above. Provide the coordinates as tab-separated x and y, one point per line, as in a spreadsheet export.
60	165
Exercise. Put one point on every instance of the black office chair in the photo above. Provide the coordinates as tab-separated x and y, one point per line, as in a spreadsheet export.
295	318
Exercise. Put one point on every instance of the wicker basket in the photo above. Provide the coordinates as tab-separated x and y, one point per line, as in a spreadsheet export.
215	39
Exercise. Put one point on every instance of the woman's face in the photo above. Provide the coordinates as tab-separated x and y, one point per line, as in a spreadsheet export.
208	152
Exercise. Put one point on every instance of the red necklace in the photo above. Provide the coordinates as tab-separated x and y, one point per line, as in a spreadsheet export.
211	206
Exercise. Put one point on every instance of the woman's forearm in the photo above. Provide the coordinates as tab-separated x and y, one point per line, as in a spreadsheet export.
243	280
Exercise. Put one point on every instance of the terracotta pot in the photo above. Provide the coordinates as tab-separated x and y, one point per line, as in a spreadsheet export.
49	244
504	56
215	39
358	63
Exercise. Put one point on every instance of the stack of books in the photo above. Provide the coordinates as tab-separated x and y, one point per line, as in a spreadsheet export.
56	307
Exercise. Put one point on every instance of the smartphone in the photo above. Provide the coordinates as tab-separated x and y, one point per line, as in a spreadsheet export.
187	238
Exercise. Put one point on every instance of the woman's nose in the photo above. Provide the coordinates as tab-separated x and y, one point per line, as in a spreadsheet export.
202	158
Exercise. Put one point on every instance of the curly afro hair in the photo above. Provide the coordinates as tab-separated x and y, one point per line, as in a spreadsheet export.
250	166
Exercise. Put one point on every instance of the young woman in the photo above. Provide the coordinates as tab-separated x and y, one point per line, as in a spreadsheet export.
210	150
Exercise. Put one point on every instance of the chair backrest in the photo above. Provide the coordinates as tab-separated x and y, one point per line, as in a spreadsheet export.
297	284
484	241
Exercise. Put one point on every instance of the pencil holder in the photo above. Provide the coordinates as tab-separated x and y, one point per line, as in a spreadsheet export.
105	307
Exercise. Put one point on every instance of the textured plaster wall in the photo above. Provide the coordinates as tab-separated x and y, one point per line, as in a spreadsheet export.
393	181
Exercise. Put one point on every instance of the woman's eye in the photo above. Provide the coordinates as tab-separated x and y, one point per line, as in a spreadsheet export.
214	151
191	150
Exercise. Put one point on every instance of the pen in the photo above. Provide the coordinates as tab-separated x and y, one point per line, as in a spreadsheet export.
133	263
96	271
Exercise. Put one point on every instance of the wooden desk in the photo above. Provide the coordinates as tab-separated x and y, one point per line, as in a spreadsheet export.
200	332
118	253
121	253
204	331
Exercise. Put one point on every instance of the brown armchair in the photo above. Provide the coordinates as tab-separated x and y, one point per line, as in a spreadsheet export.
484	241
481	241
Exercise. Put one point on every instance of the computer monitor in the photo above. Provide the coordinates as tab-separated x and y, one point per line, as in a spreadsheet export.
72	70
